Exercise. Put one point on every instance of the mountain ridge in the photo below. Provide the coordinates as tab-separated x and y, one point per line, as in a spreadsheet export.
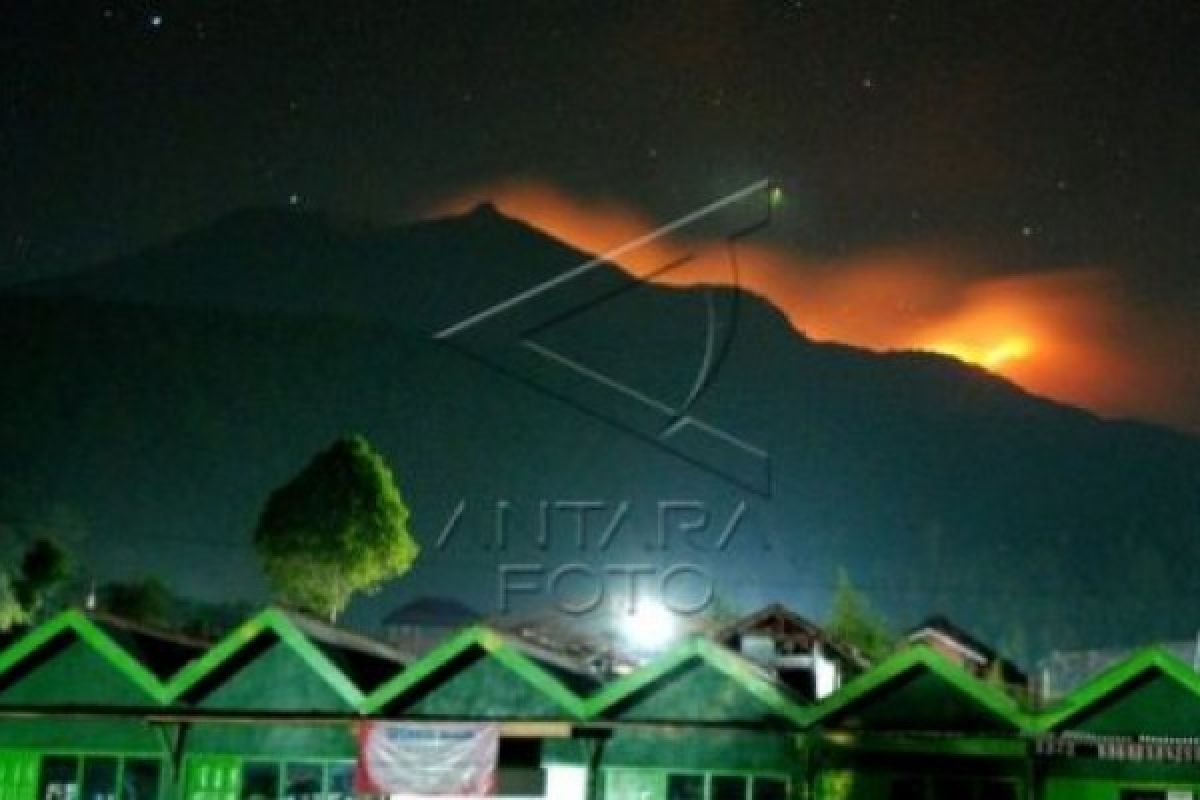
940	486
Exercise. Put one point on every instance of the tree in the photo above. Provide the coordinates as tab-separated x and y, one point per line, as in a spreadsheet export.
338	527
11	612
853	621
44	567
146	600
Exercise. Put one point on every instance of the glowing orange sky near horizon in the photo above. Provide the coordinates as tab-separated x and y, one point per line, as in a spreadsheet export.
1062	334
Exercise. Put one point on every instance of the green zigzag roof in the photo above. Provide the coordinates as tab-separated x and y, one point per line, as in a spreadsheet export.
92	636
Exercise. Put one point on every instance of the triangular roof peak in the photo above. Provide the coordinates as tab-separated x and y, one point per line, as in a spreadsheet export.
1116	679
921	658
743	672
778	620
281	624
518	657
77	623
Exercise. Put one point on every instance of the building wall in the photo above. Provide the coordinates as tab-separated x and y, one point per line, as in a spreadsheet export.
876	776
1083	779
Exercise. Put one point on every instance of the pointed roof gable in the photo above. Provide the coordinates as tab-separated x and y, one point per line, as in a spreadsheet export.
1150	693
229	656
673	685
72	632
919	690
547	677
784	625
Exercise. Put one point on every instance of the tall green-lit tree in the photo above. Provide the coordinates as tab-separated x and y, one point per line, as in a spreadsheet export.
338	527
855	622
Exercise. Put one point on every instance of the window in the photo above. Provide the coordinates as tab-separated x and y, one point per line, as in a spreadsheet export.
728	787
770	789
99	778
260	781
139	781
651	784
302	782
341	782
59	779
297	780
685	787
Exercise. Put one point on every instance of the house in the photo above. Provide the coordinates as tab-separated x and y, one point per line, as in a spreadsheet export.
969	652
1130	733
95	707
798	652
918	726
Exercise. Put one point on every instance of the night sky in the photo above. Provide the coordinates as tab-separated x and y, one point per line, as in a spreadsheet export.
1017	183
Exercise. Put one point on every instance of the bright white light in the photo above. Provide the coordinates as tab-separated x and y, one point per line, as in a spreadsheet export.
649	626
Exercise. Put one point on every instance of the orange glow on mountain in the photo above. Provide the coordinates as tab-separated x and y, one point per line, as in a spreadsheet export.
1059	333
992	356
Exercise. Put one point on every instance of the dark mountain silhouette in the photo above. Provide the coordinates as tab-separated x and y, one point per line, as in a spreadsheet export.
164	395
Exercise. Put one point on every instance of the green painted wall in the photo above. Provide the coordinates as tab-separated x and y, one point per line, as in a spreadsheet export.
1096	789
76	675
694	691
278	680
333	741
476	685
683	748
1093	779
77	735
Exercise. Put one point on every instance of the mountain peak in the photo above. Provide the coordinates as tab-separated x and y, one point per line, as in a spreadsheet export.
485	208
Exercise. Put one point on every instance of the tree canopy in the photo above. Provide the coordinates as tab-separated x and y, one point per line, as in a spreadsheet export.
144	600
44	567
338	527
853	621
